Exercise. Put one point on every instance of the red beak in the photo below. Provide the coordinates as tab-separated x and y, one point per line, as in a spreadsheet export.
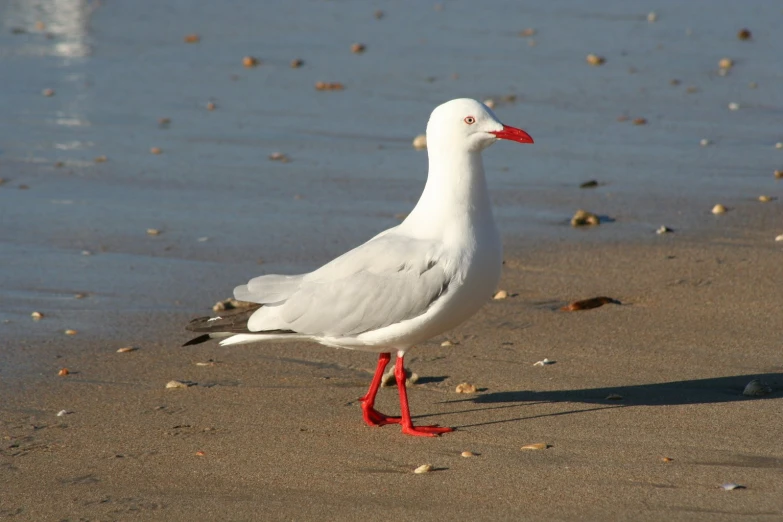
513	134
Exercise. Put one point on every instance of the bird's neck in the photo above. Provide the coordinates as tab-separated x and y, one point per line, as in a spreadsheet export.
455	194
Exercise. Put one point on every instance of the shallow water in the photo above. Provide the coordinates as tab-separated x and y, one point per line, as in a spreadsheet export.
117	67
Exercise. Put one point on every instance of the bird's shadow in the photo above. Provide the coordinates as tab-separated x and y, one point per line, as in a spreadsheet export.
698	391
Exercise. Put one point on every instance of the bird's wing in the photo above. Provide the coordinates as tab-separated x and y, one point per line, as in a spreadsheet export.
387	280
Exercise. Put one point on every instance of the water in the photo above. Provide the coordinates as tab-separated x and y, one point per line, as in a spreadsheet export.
117	67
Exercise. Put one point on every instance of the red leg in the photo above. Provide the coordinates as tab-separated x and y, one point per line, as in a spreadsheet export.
371	416
407	424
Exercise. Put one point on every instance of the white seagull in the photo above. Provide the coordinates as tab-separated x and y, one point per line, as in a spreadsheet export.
407	284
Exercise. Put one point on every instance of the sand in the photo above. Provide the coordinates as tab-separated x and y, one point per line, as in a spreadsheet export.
274	432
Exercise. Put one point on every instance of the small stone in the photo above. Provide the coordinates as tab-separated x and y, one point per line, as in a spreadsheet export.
329	86
766	199
779	238
200	453
37	316
63	372
446	343
666	459
48	92
177	384
378	14
691	89
674	81
70	332
640	121
705	142
153	232
734	106
250	61
584	218
778	174
467	454
726	63
663	229
296	63
753	85
719	209
525	33
164	122
502	294
589	184
536	446
79	296
358	48
420	142
594	59
614	397
489	102
63	413
756	388
101	159
652	17
211	106
155	150
779	145
731	486
192	38
424	468
127	349
543	362
744	34
466	388
279	156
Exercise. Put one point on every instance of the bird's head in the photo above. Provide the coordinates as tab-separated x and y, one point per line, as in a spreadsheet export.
470	125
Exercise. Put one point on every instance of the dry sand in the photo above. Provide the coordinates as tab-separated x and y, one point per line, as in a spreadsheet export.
281	431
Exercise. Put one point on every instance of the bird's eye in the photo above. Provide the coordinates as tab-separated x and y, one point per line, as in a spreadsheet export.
470	120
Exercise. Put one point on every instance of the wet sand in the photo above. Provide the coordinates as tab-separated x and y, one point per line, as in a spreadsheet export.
274	432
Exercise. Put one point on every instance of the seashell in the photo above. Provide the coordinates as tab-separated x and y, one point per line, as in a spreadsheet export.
779	145
250	61
663	229
756	388
667	459
63	413
778	174
420	142
63	372
279	156
502	294
614	397
127	349
594	59
719	209
177	384
536	446
766	199
732	486
588	304
734	106
424	468
544	362
705	142
726	63
153	232
37	316
465	387
582	218
156	150
358	48
447	343
467	454
70	332
779	238
200	453
652	16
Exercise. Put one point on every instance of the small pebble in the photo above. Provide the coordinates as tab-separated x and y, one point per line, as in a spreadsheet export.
37	316
731	486
536	446
155	150
584	218
589	184
79	296
358	48
164	122
63	413
101	159
420	142
127	349
250	61
666	459
279	156
726	63
296	63
48	93
779	145
502	294
192	38
70	332
652	17
705	142
543	362
744	34
153	232
378	14
674	81
176	384
779	238
200	453
447	343
614	397
766	199
663	229
753	85
756	388
489	102
640	121
424	468
719	209
329	86
466	388
86	253
594	59
527	32
691	89
467	454
210	106
63	372
778	174
734	106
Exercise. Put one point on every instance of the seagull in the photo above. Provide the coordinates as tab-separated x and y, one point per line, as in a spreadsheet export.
404	286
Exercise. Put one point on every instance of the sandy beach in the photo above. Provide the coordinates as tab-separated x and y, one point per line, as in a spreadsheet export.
641	413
